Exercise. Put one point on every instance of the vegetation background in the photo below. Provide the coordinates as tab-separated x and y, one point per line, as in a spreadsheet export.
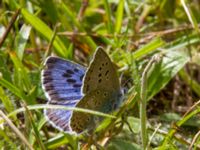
154	44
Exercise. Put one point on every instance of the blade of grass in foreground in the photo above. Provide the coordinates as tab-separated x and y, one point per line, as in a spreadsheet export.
21	40
108	17
39	125
151	46
36	132
191	17
12	88
16	130
179	124
191	82
44	106
70	14
6	101
21	72
119	16
42	28
60	140
171	63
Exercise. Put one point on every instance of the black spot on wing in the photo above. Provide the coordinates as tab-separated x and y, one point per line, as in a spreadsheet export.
49	87
106	72
47	80
81	77
67	75
52	60
46	73
69	72
59	118
76	70
77	85
71	80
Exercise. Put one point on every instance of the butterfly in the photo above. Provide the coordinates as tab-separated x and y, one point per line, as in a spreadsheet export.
69	84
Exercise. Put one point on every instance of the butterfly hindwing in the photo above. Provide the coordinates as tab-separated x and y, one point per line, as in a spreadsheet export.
62	82
98	100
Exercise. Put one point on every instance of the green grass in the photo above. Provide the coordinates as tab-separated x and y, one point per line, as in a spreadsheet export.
133	33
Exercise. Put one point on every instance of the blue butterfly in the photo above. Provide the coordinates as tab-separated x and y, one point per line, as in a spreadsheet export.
69	84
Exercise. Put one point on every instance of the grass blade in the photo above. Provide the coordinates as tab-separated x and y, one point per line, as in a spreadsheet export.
12	88
151	46
109	23
119	16
15	129
43	29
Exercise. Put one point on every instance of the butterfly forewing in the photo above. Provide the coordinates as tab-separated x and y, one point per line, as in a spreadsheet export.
62	82
101	74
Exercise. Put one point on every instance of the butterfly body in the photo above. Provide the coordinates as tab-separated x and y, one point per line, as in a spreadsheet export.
69	84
